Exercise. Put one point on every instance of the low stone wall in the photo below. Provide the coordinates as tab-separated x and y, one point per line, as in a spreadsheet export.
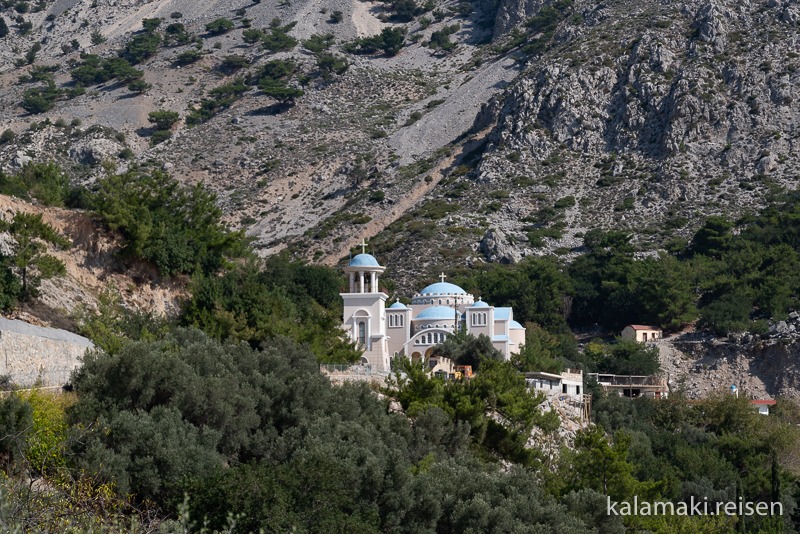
34	355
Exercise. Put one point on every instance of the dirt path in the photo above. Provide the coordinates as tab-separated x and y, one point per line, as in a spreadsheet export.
409	201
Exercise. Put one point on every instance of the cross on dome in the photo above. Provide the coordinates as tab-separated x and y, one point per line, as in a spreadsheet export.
442	276
363	246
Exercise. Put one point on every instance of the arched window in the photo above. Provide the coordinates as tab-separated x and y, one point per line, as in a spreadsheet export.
362	333
440	301
401	320
474	317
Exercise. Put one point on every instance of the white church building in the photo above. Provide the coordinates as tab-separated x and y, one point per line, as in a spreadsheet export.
437	311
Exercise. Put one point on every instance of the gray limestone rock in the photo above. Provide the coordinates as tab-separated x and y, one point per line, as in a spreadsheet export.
496	248
94	151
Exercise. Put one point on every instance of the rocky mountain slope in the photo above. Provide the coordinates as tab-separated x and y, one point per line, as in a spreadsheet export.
546	120
761	366
92	270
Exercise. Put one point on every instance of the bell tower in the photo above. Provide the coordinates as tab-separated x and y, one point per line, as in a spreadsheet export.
364	315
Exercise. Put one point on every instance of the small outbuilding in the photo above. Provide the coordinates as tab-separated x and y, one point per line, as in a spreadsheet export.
641	333
762	406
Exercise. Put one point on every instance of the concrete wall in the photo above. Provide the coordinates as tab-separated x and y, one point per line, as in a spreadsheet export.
31	354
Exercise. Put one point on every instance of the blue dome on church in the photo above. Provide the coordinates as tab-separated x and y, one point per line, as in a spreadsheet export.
480	304
437	313
364	260
443	288
398	306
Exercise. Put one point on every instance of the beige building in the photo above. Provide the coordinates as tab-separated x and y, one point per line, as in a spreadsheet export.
435	312
641	333
569	383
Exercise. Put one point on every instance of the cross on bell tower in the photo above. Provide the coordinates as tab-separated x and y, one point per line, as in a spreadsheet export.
363	246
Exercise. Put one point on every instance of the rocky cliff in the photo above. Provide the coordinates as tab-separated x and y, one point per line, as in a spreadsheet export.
546	119
761	366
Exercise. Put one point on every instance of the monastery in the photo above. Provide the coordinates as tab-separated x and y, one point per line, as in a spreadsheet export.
437	311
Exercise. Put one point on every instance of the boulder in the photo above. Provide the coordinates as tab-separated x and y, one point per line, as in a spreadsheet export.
496	248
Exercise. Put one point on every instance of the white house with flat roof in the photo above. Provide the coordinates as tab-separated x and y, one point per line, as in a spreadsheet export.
435	312
569	383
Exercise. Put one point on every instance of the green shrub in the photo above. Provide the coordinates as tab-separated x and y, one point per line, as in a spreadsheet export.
318	43
252	35
140	47
139	86
40	99
565	202
159	136
188	56
233	63
219	26
97	38
163	119
177	228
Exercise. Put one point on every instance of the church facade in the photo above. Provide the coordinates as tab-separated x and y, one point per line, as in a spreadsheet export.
436	312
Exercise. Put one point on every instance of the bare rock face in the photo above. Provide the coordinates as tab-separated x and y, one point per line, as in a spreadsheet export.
496	248
94	151
513	12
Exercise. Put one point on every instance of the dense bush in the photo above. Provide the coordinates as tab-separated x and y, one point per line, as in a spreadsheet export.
284	448
177	228
219	26
283	299
45	182
40	99
221	97
390	41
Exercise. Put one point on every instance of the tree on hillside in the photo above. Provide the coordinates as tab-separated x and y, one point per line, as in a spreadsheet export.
3	28
219	26
28	255
392	40
466	349
163	119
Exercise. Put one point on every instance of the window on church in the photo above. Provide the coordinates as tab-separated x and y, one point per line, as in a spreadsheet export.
362	333
401	320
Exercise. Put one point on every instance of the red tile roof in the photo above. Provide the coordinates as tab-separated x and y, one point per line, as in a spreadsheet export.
768	402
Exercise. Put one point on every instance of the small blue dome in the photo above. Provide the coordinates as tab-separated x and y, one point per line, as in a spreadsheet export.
398	306
364	260
437	313
514	325
442	288
480	304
